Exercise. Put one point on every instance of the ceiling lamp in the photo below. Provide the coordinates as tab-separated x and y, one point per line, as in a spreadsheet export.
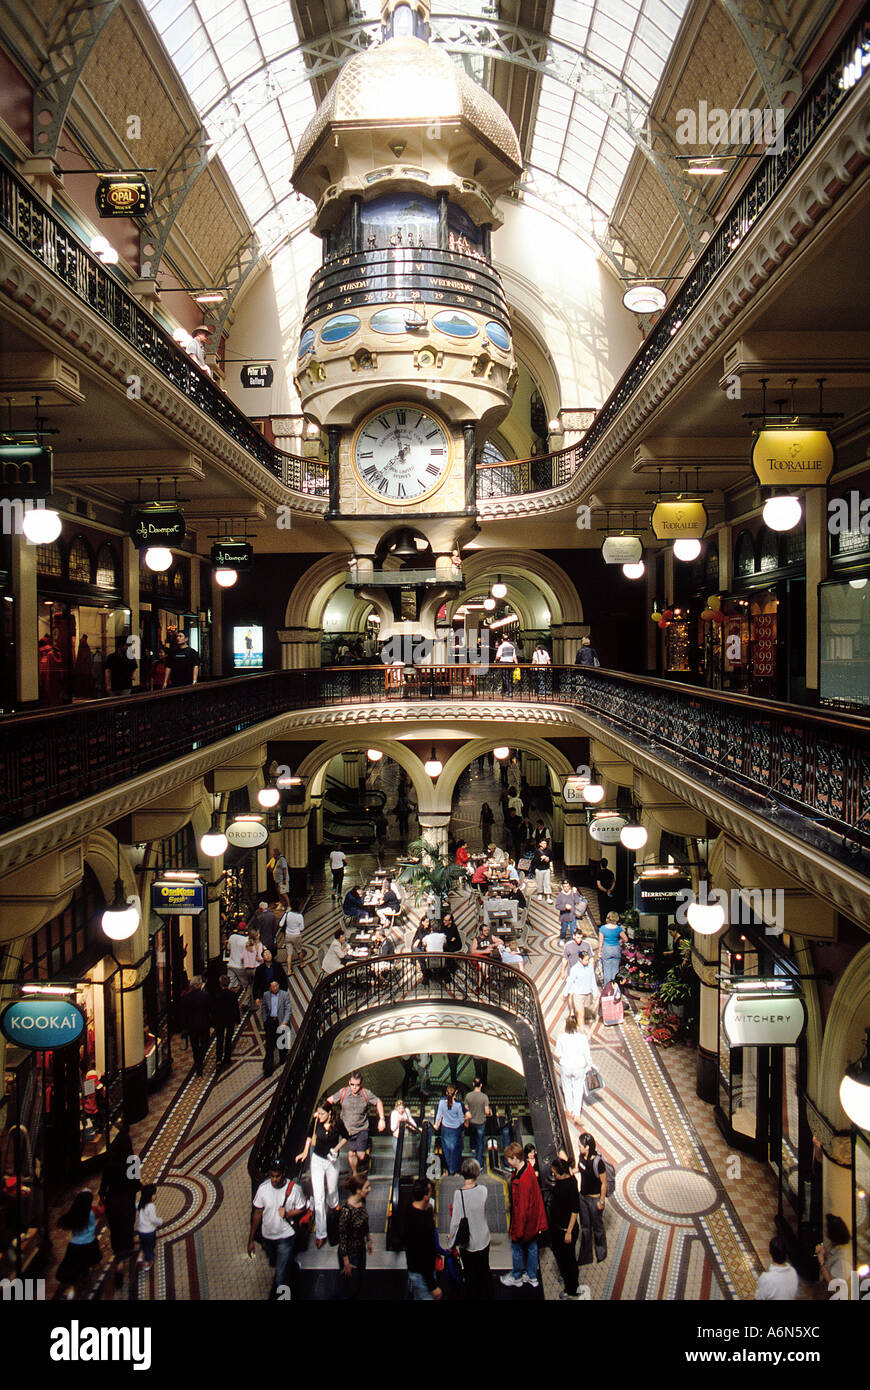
214	842
501	753
705	168
499	589
121	919
554	426
41	526
489	604
210	297
593	792
782	513
158	558
705	918
432	766
633	836
635	571
268	797
855	1089
857	583
644	299
374	755
687	549
225	578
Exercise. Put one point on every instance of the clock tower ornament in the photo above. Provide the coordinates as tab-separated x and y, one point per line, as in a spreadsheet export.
405	355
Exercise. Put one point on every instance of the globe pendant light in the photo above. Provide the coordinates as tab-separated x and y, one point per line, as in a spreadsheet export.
593	792
489	604
121	919
225	578
41	526
634	571
374	755
855	1089
706	918
633	836
268	797
687	549
782	513
501	753
432	767
214	842
499	589
158	558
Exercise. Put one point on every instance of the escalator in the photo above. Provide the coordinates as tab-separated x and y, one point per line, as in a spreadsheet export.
349	816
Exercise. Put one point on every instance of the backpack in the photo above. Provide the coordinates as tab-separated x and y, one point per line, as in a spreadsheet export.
599	1159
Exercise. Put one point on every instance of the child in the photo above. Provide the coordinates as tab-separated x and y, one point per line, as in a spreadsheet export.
147	1222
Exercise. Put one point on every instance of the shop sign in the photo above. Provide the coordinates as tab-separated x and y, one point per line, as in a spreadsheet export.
660	892
770	1021
675	521
172	898
622	550
246	834
793	458
605	827
257	374
157	527
42	1024
25	470
572	791
232	555
122	196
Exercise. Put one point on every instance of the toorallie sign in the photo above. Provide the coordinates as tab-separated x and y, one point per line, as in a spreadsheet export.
42	1024
774	1020
679	520
799	458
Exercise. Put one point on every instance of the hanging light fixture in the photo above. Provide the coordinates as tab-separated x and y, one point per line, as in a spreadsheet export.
633	836
782	513
687	549
374	755
706	918
489	604
41	526
855	1089
432	766
158	558
499	588
121	919
214	842
635	571
644	299
592	793
268	797
225	578
502	753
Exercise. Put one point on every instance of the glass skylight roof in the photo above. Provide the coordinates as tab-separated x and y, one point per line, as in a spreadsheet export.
253	94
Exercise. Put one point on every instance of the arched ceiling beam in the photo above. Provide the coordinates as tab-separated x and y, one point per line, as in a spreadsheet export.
566	204
69	42
766	37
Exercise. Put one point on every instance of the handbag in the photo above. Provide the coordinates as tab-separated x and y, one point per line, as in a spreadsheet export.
593	1081
517	675
463	1230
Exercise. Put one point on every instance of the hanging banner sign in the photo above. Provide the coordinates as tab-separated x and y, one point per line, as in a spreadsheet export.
572	791
232	555
605	827
42	1024
657	891
121	195
246	834
622	550
257	374
797	458
25	470
157	527
764	1022
675	521
175	898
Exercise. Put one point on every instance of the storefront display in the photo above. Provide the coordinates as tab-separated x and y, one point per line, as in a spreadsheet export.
844	642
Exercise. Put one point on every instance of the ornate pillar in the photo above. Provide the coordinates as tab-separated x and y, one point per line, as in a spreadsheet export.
294	829
576	839
705	959
26	610
433	827
300	648
470	467
566	639
815	501
333	435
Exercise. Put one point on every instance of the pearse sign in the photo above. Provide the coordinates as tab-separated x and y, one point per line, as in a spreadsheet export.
42	1024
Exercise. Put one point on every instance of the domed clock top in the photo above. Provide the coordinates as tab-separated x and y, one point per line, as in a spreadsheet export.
401	453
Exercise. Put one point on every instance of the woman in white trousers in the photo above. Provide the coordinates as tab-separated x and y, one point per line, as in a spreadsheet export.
572	1050
328	1136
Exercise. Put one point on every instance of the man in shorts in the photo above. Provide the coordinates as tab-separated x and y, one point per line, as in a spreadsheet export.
354	1101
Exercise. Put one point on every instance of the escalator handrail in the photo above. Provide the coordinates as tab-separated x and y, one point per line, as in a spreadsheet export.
422	1160
393	1199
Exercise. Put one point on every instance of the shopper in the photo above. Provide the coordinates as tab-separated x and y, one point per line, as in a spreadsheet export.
197	1021
580	987
276	1207
147	1224
337	862
611	939
574	1057
281	875
470	1202
335	954
542	862
477	1112
571	907
292	924
118	1188
421	1244
324	1144
450	1122
354	1101
119	669
593	1197
528	1220
236	943
354	1241
779	1284
565	1225
541	659
834	1254
267	971
182	664
82	1251
486	820
353	905
266	923
401	1115
226	1017
586	654
604	883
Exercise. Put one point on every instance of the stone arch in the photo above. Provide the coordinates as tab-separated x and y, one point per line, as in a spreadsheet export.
843	1042
313	766
555	761
313	591
562	598
100	853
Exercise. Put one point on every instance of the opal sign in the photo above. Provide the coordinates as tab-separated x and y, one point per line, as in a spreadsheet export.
42	1024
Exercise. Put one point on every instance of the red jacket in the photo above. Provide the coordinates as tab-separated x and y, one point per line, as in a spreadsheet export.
528	1215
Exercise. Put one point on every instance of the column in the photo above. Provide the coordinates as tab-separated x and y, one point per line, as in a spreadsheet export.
300	648
356	222
705	959
566	639
468	428
815	501
353	770
652	632
26	610
433	828
333	435
217	629
294	831
575	851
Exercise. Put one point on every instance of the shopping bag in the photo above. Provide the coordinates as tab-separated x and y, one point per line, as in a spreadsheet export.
593	1081
612	1009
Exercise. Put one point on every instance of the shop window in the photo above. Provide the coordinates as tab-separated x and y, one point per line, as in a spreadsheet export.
51	950
107	568
845	541
711	568
768	551
744	555
844	643
81	561
794	546
179	585
49	560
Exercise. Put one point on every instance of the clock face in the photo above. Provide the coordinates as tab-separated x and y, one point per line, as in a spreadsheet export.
401	453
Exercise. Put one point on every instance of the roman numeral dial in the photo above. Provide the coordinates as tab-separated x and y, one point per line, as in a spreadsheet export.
401	453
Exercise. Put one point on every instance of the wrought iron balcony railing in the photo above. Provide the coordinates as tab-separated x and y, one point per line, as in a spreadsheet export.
811	765
371	987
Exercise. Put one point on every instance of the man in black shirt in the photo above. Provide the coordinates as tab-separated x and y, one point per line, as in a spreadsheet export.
269	970
119	670
421	1244
225	1017
182	666
604	881
564	1225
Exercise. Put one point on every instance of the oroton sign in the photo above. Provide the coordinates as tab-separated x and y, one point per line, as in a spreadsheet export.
42	1023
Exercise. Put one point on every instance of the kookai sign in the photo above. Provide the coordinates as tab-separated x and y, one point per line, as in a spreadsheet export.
42	1024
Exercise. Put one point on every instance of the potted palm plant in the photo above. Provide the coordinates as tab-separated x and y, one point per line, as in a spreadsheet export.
432	877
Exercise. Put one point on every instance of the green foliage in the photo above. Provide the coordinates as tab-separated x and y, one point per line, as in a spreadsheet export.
434	874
